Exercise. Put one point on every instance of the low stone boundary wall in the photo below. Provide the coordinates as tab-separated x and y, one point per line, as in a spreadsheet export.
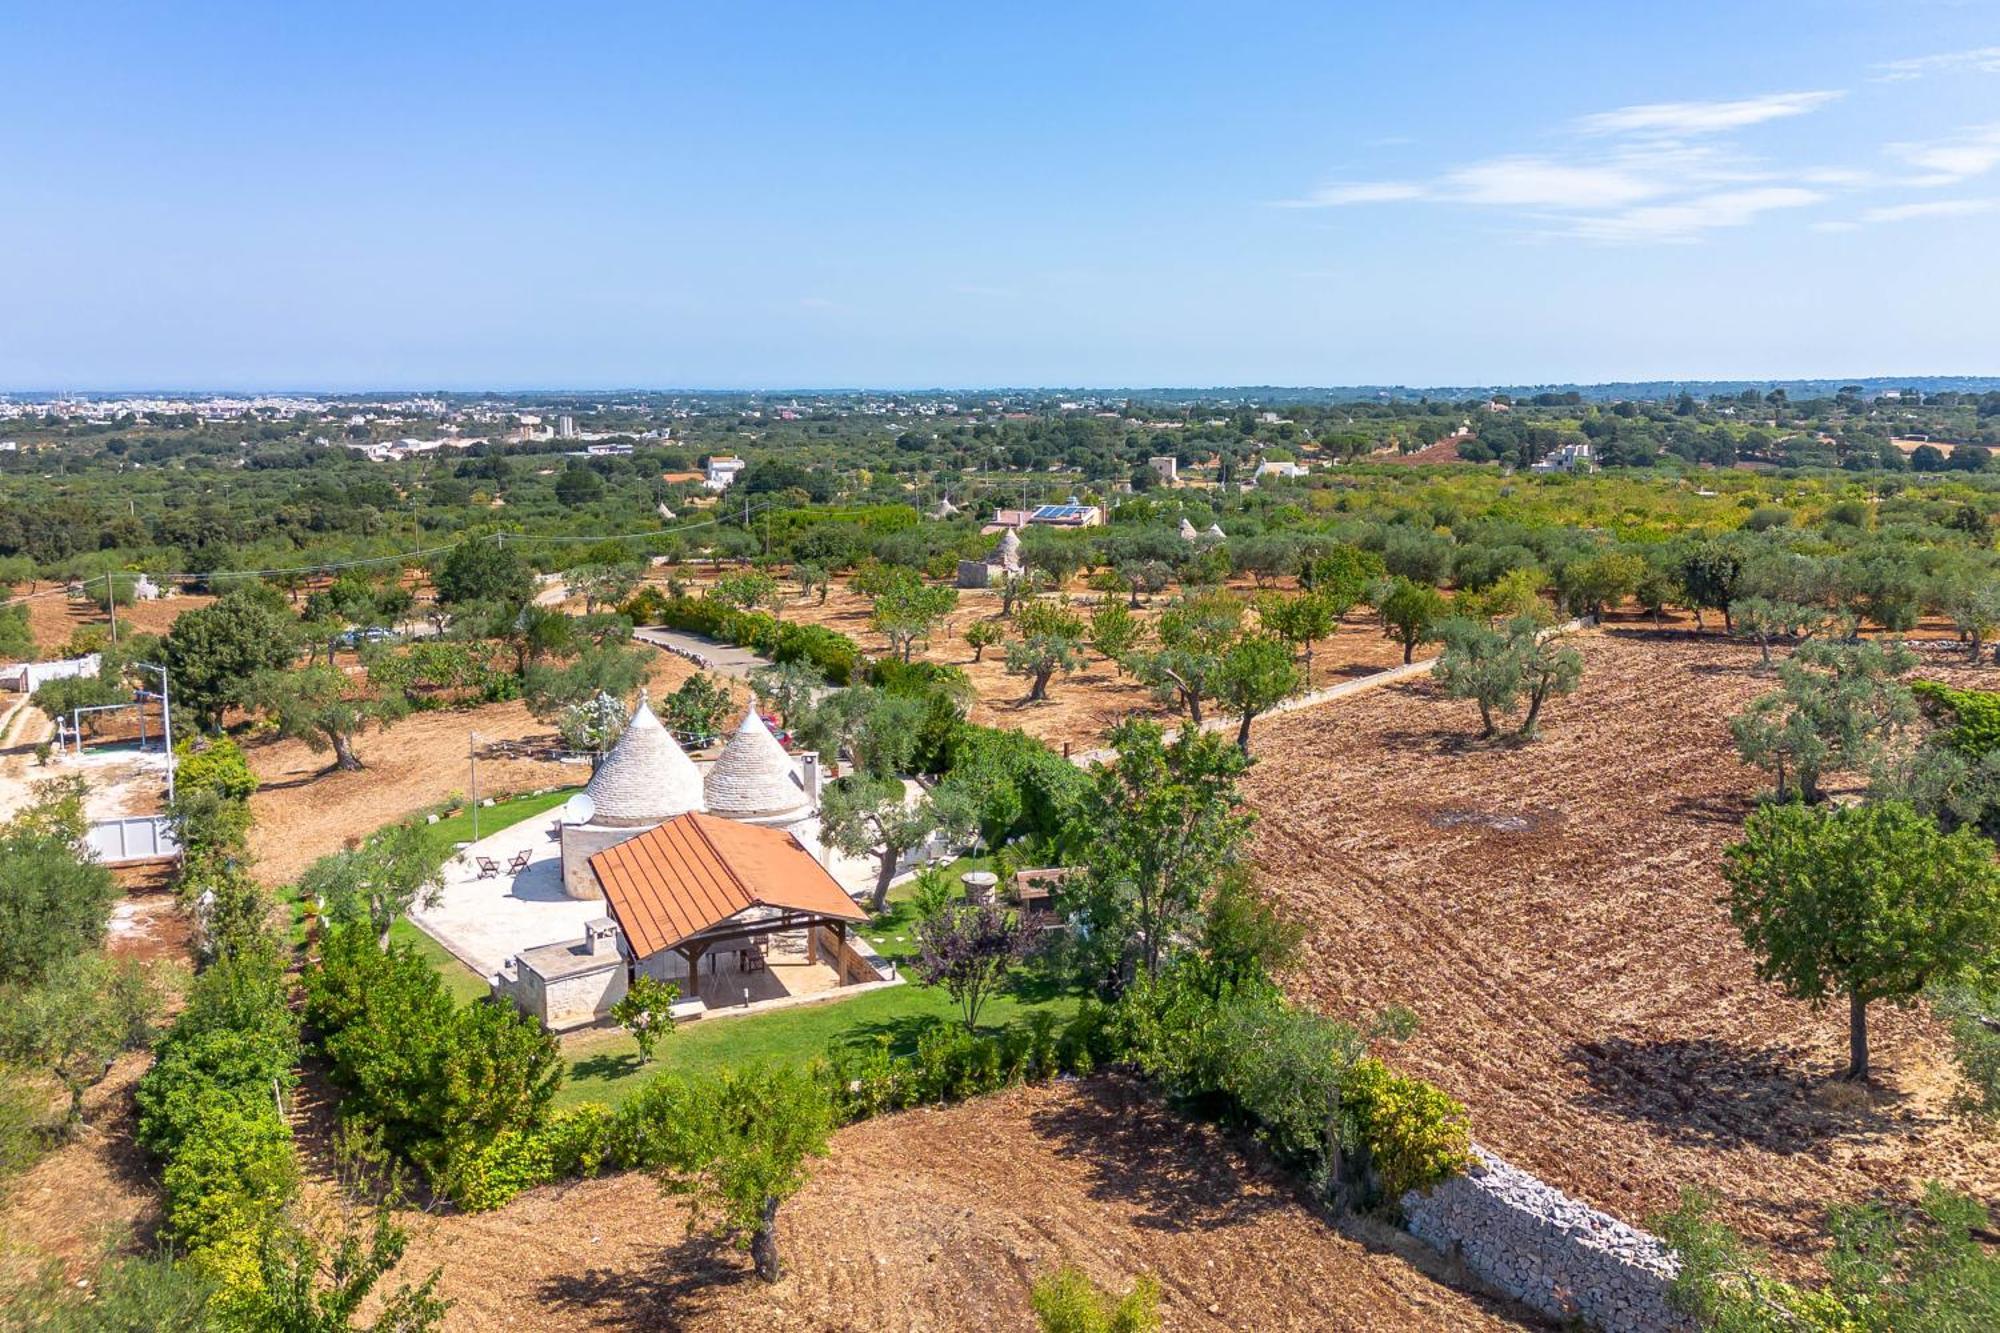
1552	1253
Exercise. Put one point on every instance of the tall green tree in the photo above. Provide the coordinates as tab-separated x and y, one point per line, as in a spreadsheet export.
1870	902
864	816
1301	621
737	1145
214	652
325	708
1194	635
483	571
55	901
1051	640
1257	674
1115	631
1163	821
1410	613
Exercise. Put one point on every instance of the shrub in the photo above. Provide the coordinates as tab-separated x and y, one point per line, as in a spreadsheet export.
225	1183
216	766
209	1108
573	1142
1066	1301
440	1081
1413	1134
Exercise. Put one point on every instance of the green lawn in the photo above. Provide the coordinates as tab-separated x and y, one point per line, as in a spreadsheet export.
454	829
604	1065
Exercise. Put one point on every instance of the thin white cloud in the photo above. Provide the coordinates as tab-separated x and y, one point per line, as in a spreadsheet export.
1365	192
1973	60
1647	174
1931	208
1683	119
1538	182
1688	219
1912	212
1971	152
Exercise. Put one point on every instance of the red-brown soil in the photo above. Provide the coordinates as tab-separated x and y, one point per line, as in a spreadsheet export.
1081	709
306	808
942	1220
1549	911
53	619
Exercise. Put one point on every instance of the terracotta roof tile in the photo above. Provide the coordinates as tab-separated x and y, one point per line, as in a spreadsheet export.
695	871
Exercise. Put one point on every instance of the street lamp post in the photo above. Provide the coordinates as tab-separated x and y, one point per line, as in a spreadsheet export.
472	753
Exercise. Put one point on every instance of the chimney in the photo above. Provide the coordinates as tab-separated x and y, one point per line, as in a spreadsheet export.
600	937
809	776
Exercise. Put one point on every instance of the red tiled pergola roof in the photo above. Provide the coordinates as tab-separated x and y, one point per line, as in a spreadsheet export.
695	871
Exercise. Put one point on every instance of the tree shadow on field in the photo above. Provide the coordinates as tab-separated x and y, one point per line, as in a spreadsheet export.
1729	809
1145	1156
680	1282
1449	742
1710	1094
607	1066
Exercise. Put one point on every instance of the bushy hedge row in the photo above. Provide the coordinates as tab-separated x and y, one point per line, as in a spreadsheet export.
440	1081
1303	1083
836	656
949	1064
208	1109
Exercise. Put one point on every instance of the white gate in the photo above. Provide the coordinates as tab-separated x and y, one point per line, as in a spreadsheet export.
135	838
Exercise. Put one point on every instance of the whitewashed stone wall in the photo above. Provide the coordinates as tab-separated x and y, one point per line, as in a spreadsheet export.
1548	1251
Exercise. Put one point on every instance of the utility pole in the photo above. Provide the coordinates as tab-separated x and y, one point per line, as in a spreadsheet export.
472	753
111	603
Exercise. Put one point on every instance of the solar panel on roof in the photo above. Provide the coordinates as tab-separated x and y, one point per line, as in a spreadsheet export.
1061	511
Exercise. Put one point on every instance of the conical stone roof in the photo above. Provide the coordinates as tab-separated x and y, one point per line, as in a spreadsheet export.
1007	551
753	778
646	779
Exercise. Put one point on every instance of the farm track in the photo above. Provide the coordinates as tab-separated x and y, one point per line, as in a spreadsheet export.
1549	912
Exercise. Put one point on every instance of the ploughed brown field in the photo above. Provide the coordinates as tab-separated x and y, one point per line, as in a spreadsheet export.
942	1221
1549	912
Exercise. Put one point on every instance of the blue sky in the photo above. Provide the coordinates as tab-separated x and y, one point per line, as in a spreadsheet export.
923	194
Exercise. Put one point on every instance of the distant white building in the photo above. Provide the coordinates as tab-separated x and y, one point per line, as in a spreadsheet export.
1286	469
1166	469
722	470
1567	458
565	427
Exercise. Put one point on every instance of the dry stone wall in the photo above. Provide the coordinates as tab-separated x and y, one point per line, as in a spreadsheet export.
1552	1253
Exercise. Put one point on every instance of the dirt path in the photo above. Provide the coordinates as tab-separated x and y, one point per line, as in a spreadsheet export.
1550	913
942	1220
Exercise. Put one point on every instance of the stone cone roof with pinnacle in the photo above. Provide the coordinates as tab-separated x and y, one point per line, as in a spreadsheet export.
754	778
1187	531
646	779
1007	552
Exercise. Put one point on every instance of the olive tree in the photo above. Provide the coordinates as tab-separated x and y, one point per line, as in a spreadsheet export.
1051	640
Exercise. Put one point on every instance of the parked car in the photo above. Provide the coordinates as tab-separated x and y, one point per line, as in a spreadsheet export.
358	637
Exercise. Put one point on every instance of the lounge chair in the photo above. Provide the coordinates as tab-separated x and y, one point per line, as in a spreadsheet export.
520	861
488	869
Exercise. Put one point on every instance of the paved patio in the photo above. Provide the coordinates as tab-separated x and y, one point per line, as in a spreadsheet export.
485	922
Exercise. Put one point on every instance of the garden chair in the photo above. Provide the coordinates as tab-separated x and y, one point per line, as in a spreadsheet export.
487	867
520	862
